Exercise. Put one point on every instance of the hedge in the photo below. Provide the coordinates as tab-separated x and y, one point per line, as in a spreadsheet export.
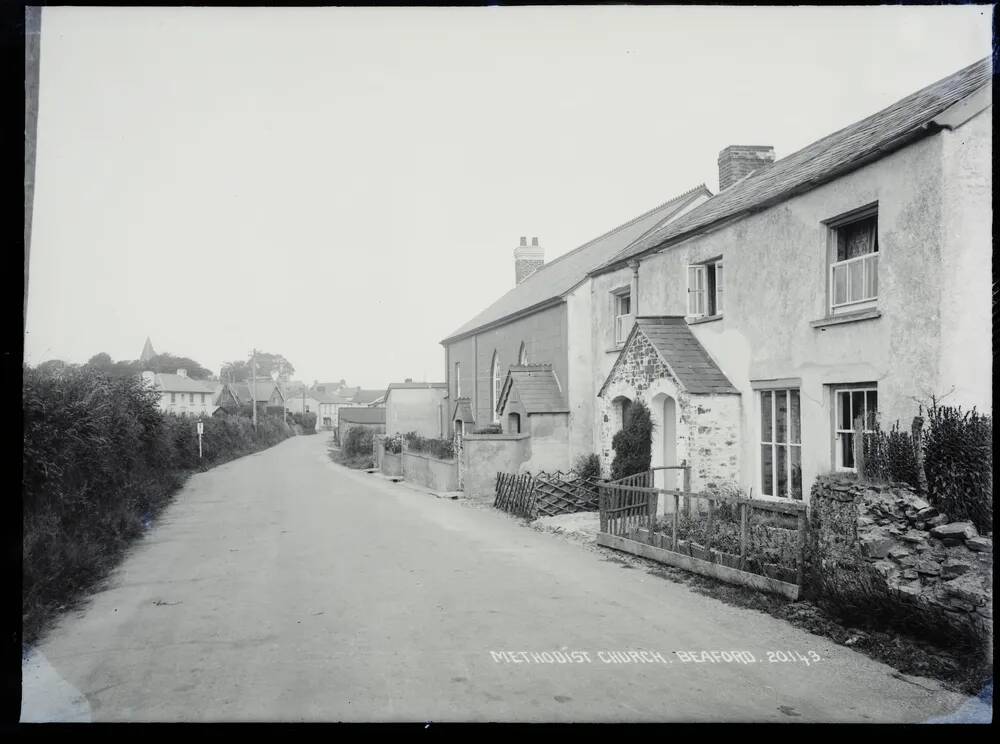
100	460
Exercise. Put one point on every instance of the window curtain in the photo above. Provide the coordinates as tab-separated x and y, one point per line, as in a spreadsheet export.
858	239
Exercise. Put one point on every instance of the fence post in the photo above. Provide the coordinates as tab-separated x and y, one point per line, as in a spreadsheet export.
711	515
917	432
859	445
744	507
602	506
687	487
677	504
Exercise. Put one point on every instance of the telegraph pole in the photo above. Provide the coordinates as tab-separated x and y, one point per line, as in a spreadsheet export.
253	394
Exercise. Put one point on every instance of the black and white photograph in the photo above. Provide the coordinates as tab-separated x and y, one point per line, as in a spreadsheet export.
507	364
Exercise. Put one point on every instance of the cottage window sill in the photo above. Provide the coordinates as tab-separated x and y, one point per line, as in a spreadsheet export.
831	320
614	349
704	319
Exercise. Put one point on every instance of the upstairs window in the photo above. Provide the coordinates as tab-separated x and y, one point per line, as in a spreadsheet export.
522	357
623	314
854	264
458	379
705	287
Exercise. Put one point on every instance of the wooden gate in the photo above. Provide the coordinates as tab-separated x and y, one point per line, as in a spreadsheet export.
515	494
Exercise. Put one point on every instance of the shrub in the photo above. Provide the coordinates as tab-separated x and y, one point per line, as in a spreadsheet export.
394	444
358	441
588	467
890	456
306	420
958	462
443	449
633	444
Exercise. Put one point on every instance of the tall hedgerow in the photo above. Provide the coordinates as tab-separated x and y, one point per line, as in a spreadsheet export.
99	462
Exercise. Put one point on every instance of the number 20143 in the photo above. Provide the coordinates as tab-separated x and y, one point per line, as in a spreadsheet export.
792	657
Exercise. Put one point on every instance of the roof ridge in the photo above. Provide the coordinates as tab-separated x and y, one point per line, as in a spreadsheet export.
733	207
612	231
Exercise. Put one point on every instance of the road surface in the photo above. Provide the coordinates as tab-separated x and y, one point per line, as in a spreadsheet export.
283	587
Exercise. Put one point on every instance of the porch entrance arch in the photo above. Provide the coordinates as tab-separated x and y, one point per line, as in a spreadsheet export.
663	410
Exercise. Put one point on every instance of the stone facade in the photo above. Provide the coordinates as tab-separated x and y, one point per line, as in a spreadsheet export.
921	556
706	428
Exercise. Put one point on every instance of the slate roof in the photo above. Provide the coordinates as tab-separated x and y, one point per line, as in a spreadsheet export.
683	354
321	397
172	383
537	388
828	158
364	397
560	275
264	390
362	415
463	411
416	385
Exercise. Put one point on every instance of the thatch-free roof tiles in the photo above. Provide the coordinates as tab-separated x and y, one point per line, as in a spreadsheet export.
682	353
365	415
537	388
821	161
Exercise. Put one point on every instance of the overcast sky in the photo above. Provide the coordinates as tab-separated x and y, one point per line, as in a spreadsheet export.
346	186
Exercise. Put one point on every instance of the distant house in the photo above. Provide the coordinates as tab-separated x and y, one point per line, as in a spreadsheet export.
182	395
353	417
369	397
267	393
417	406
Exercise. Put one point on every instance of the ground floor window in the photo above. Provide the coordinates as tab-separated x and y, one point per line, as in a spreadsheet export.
849	404
780	444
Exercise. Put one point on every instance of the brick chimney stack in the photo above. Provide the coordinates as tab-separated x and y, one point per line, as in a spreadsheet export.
527	259
738	161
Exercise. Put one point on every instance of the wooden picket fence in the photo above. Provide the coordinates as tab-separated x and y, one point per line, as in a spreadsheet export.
515	494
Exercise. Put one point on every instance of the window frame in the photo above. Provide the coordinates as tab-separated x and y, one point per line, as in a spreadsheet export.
869	262
838	432
620	327
709	294
458	379
771	394
495	387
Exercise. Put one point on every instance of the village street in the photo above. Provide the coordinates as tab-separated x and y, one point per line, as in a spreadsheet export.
283	587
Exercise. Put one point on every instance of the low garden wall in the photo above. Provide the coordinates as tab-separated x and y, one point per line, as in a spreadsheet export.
438	475
883	546
485	455
392	464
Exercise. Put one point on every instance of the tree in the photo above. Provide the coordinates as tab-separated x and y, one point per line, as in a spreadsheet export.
54	367
634	443
168	363
267	364
101	361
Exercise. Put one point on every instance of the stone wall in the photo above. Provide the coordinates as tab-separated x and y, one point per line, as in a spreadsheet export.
429	472
923	558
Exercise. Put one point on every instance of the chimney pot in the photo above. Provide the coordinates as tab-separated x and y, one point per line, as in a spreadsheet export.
527	259
738	161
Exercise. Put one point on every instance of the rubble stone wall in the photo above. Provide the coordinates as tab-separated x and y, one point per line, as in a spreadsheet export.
930	561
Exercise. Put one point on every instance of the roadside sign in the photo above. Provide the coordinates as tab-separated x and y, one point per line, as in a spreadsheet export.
201	428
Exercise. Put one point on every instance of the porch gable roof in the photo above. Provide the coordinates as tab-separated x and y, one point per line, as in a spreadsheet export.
463	411
681	352
538	389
